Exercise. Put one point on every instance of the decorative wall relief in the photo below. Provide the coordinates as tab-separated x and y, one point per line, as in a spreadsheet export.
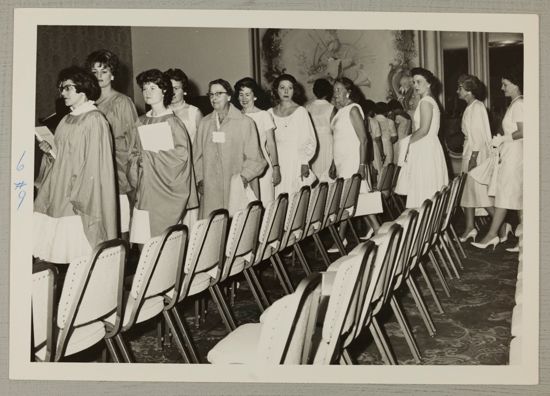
405	47
365	56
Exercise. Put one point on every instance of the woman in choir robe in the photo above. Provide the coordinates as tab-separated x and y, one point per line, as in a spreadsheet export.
294	134
121	113
162	177
75	208
226	145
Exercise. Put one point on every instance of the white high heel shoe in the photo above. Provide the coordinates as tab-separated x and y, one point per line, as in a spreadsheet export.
493	242
472	234
507	230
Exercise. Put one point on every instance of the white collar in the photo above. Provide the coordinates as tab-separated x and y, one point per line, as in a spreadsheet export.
150	113
84	108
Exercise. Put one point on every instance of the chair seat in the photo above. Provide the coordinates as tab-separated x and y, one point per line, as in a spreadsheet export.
150	308
239	347
84	337
201	282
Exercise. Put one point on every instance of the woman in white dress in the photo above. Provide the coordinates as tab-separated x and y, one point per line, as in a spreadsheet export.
509	181
477	141
388	131
249	97
190	116
294	135
321	111
403	126
349	137
425	169
376	136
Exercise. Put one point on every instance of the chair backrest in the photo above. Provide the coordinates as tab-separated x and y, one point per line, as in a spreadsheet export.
385	179
397	170
432	223
440	203
419	235
316	209
408	223
206	248
242	240
350	275
91	298
295	221
272	228
333	202
160	262
44	283
350	195
380	284
287	327
452	202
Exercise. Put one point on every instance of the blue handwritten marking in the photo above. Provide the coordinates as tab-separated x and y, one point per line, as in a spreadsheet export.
20	184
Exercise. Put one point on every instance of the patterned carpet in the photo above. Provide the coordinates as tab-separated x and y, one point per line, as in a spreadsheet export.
474	330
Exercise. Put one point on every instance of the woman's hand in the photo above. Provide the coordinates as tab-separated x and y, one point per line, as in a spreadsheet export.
276	176
332	171
472	163
45	146
304	171
497	140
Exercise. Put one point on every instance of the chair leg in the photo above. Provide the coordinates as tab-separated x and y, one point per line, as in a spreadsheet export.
113	350
219	300
430	287
259	288
280	275
441	260
444	245
253	290
447	238
406	330
421	305
337	240
302	258
457	241
321	249
346	358
124	349
439	273
282	267
185	346
353	231
381	342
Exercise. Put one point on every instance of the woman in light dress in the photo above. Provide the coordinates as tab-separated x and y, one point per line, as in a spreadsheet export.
477	142
294	135
190	116
163	179
349	137
249	97
76	205
388	131
376	136
321	111
403	125
425	169
509	180
121	113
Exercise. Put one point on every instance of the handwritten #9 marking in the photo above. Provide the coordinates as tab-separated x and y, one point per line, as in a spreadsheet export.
20	185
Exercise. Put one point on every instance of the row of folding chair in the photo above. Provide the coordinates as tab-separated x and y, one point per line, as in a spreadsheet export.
362	283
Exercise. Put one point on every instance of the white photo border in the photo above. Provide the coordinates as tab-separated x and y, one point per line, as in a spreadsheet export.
24	69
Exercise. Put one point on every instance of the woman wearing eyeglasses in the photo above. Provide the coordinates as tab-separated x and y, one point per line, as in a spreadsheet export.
226	144
162	178
75	208
121	113
294	134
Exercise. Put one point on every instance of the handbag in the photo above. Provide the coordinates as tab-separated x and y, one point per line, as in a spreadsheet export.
483	173
239	195
368	201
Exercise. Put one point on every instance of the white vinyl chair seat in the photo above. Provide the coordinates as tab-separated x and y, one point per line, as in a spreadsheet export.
149	309
200	283
41	294
85	336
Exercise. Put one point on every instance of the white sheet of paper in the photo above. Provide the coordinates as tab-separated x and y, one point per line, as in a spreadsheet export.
155	137
43	133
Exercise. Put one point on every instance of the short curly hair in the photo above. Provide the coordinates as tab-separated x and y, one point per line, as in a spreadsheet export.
322	89
83	80
105	58
225	84
155	76
298	94
515	76
474	85
248	82
178	75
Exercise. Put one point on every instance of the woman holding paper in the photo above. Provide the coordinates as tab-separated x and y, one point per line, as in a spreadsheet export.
294	134
226	145
160	162
75	208
122	116
477	141
249	94
509	181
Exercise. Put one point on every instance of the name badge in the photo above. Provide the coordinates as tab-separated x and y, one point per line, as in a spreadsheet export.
218	137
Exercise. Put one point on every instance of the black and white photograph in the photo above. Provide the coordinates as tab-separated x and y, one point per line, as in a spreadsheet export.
274	196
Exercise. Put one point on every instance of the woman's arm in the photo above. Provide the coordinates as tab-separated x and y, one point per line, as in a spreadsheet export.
360	131
273	155
425	122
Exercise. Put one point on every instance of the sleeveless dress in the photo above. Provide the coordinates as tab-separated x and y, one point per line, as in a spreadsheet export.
264	123
374	130
296	145
425	169
320	111
346	143
509	187
477	137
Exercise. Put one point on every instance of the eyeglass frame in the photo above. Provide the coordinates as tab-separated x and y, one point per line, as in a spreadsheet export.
65	88
216	94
